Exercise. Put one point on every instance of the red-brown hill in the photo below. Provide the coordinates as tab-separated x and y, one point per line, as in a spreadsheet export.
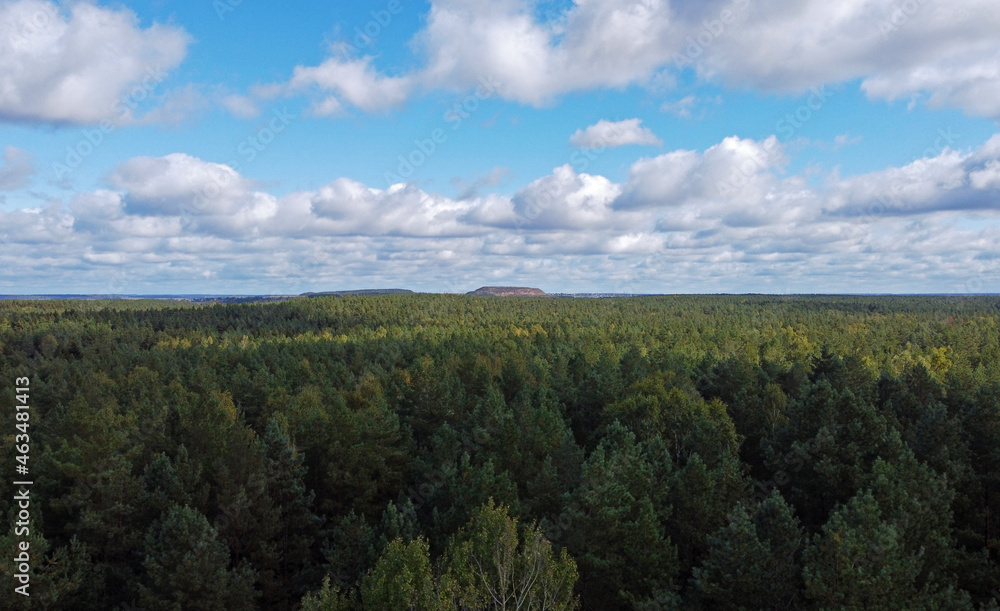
507	291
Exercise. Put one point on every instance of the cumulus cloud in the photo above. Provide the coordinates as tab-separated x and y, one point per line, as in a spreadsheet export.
598	43
948	52
613	134
945	53
736	170
349	207
566	200
17	169
951	181
725	218
177	183
338	80
80	64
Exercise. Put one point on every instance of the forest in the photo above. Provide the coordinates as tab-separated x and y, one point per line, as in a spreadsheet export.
419	451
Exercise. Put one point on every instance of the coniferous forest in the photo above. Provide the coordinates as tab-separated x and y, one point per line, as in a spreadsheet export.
458	452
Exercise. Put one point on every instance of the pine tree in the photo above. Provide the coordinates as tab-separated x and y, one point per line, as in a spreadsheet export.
615	531
187	567
860	562
61	578
297	526
752	563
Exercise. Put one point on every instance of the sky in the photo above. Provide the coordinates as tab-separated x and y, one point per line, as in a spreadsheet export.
637	146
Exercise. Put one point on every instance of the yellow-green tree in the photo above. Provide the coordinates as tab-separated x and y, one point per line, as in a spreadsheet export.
488	565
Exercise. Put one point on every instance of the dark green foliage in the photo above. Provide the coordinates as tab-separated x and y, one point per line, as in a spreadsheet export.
187	567
753	562
678	452
617	525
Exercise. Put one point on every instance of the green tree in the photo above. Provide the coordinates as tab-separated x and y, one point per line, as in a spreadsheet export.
616	530
61	578
860	561
187	567
401	579
298	527
489	566
327	598
753	562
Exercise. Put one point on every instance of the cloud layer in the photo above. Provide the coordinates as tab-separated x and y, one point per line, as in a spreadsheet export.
17	169
947	54
80	63
684	219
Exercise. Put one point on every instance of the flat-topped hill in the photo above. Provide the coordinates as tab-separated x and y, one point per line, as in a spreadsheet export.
507	291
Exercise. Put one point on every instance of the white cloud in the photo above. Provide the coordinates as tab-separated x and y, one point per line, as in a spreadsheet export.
735	170
17	169
597	43
179	184
346	207
682	107
947	53
340	80
726	218
951	181
964	78
83	64
240	106
613	134
566	200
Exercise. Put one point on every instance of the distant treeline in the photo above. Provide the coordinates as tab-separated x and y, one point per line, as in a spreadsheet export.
453	452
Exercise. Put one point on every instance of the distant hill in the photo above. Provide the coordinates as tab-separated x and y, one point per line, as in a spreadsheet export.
358	292
507	291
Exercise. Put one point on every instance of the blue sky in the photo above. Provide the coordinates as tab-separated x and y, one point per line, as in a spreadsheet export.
606	145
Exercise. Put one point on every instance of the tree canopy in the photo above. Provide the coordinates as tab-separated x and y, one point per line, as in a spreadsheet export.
461	452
